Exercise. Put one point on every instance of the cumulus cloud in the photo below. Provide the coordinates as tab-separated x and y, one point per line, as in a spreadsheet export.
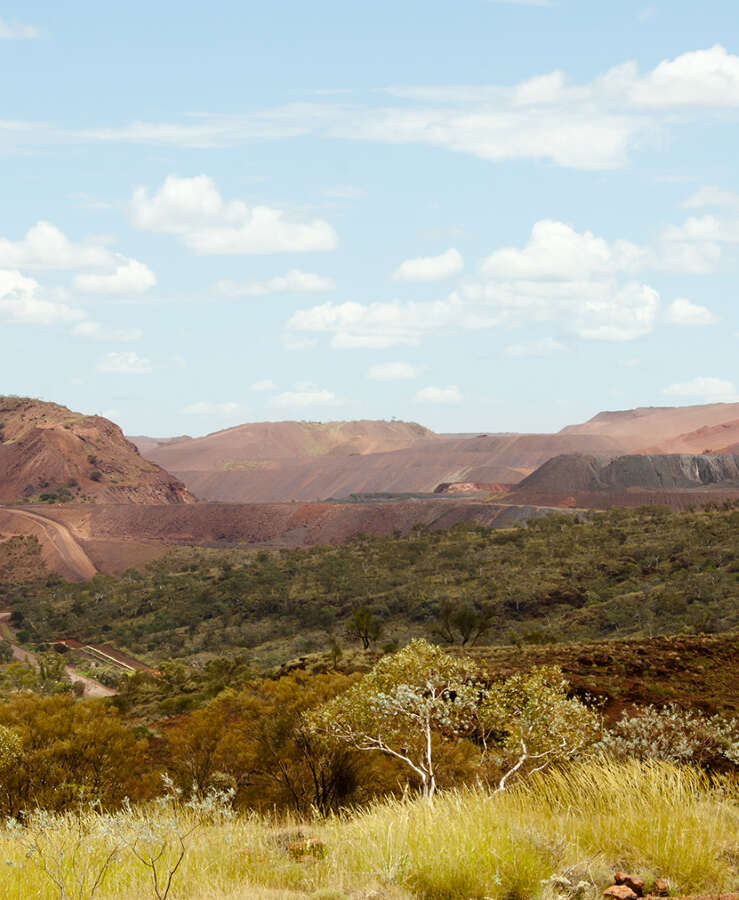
393	371
193	210
430	394
206	408
708	78
684	312
293	282
129	277
556	251
266	384
94	331
576	280
304	398
430	268
542	347
704	388
126	362
46	247
23	302
17	31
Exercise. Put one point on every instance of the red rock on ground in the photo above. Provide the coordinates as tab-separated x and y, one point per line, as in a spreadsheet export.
619	892
632	881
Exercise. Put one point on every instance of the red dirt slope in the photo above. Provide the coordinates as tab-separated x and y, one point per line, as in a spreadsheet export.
244	446
419	468
108	532
47	449
723	438
656	426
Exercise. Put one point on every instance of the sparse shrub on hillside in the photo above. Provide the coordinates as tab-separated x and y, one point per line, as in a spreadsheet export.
674	734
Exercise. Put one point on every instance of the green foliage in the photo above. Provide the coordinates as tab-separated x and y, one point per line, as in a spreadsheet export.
69	751
420	696
674	734
618	573
530	722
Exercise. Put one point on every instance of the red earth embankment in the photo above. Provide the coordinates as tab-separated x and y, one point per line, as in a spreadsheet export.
117	537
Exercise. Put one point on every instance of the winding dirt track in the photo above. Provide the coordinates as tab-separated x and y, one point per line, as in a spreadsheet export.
60	541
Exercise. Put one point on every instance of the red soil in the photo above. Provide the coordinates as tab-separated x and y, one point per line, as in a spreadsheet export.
45	448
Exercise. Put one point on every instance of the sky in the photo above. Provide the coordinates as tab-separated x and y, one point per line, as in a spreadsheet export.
477	215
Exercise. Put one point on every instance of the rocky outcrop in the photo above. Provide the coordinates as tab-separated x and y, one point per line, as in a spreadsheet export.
49	453
573	473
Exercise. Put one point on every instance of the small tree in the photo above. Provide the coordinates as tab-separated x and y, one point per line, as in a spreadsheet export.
528	722
465	623
406	703
364	625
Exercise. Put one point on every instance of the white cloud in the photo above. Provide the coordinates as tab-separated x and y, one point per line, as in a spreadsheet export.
378	325
194	211
560	276
705	388
129	277
556	251
588	125
594	310
684	312
393	371
706	228
430	394
301	399
205	408
430	268
266	384
711	196
293	282
127	362
94	331
697	78
17	31
22	302
542	347
46	247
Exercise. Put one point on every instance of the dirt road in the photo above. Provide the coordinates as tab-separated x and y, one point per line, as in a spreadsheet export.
92	688
59	540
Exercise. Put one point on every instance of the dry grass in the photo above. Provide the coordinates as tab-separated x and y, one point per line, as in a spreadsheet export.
584	823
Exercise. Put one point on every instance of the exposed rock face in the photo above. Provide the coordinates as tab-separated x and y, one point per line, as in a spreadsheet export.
48	450
576	473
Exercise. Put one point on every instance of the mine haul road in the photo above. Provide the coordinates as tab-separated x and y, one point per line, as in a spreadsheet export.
60	541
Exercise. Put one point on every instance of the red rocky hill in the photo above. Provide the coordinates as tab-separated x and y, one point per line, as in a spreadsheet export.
49	453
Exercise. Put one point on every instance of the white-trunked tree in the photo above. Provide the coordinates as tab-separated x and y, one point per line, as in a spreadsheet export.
420	696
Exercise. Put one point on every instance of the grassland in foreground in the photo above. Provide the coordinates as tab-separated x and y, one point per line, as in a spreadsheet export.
560	835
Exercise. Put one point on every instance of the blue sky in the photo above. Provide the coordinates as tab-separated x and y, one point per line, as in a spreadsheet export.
476	215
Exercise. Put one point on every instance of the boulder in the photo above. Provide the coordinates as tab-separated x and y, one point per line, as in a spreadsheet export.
619	892
632	881
661	887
